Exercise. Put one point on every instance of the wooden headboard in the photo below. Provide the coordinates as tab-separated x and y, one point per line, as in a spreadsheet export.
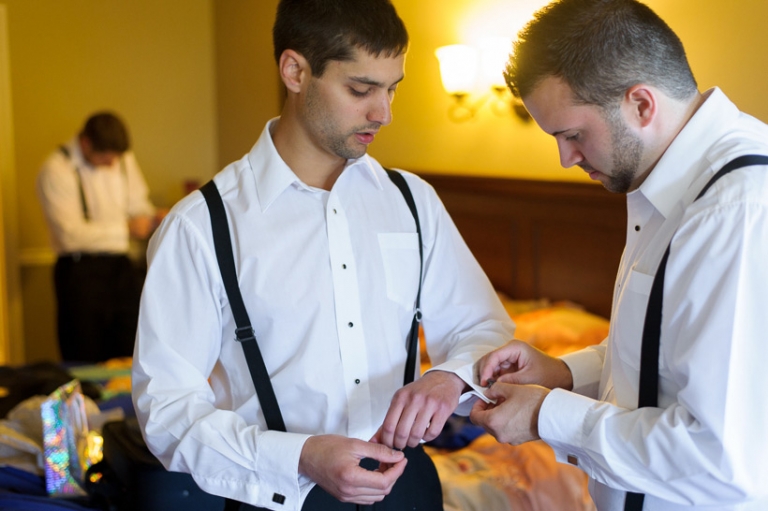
540	239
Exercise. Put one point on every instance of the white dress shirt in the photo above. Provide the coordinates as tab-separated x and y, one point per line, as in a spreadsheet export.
113	194
706	445
329	280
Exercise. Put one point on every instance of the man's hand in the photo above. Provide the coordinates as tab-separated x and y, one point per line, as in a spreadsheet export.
514	419
140	227
419	410
333	462
519	362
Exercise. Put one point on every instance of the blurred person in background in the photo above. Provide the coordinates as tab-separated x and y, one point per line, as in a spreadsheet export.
95	200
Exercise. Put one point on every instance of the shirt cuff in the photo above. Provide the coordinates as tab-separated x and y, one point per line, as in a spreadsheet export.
277	463
465	372
586	367
461	368
561	426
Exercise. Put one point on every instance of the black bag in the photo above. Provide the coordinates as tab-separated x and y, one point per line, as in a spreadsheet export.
129	477
38	379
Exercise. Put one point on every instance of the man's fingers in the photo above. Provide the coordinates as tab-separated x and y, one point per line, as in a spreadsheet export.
500	361
386	433
379	482
499	391
381	453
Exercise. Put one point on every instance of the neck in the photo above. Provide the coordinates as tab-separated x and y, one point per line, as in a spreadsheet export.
313	166
678	114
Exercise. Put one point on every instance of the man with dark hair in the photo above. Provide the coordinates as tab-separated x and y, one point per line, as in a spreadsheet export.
329	264
95	199
669	412
106	133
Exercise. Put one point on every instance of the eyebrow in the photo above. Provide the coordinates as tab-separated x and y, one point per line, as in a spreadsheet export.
370	81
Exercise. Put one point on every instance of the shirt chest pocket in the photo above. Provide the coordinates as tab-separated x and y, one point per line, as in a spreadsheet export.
630	316
400	258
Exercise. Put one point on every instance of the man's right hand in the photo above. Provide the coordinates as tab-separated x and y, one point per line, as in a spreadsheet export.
333	462
520	363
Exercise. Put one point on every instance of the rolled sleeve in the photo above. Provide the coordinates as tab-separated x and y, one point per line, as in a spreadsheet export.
586	367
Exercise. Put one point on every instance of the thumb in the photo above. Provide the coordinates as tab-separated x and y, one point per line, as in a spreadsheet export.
499	391
516	378
381	453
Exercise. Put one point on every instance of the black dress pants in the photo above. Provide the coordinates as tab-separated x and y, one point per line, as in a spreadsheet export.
97	306
418	489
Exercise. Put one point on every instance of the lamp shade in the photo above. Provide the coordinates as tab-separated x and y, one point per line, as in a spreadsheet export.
458	68
494	53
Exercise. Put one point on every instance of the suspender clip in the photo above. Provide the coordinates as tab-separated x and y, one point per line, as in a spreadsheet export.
417	315
244	334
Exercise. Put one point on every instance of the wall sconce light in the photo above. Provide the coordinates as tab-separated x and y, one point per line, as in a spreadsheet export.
466	69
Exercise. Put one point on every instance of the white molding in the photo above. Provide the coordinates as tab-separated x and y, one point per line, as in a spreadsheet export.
11	329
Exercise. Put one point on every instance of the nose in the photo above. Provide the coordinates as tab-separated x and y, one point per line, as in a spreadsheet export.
381	111
569	154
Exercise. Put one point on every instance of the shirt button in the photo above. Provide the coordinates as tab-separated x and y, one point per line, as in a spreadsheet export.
357	381
637	227
350	324
334	211
343	266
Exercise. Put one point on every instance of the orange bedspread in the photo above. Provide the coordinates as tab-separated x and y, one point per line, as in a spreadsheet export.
489	476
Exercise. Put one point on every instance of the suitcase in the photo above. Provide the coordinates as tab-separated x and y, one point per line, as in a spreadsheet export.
129	477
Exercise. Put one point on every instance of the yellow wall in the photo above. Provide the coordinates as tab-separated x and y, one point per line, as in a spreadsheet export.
248	89
151	61
725	42
195	79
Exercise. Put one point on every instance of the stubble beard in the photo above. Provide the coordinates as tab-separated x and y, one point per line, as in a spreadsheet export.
627	153
326	128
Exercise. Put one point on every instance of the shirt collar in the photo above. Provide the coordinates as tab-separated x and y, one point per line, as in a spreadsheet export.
76	153
78	159
685	160
273	175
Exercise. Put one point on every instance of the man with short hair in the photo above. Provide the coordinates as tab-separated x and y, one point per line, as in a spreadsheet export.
328	263
609	80
95	199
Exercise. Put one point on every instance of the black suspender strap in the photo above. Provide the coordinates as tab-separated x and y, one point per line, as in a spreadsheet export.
412	342
649	357
65	152
244	332
83	202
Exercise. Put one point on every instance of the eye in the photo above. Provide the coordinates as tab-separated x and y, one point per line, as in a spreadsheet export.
572	138
359	93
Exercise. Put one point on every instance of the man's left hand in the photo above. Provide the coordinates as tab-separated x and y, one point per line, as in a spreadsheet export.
419	410
514	419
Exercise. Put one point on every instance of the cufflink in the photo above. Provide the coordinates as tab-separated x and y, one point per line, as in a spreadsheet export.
573	460
278	499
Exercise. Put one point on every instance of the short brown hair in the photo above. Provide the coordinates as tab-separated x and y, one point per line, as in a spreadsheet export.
323	30
600	48
106	132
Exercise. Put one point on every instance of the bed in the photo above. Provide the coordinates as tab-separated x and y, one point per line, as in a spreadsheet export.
551	250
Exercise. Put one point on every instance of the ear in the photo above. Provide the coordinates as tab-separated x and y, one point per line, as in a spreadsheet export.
640	104
294	70
85	144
